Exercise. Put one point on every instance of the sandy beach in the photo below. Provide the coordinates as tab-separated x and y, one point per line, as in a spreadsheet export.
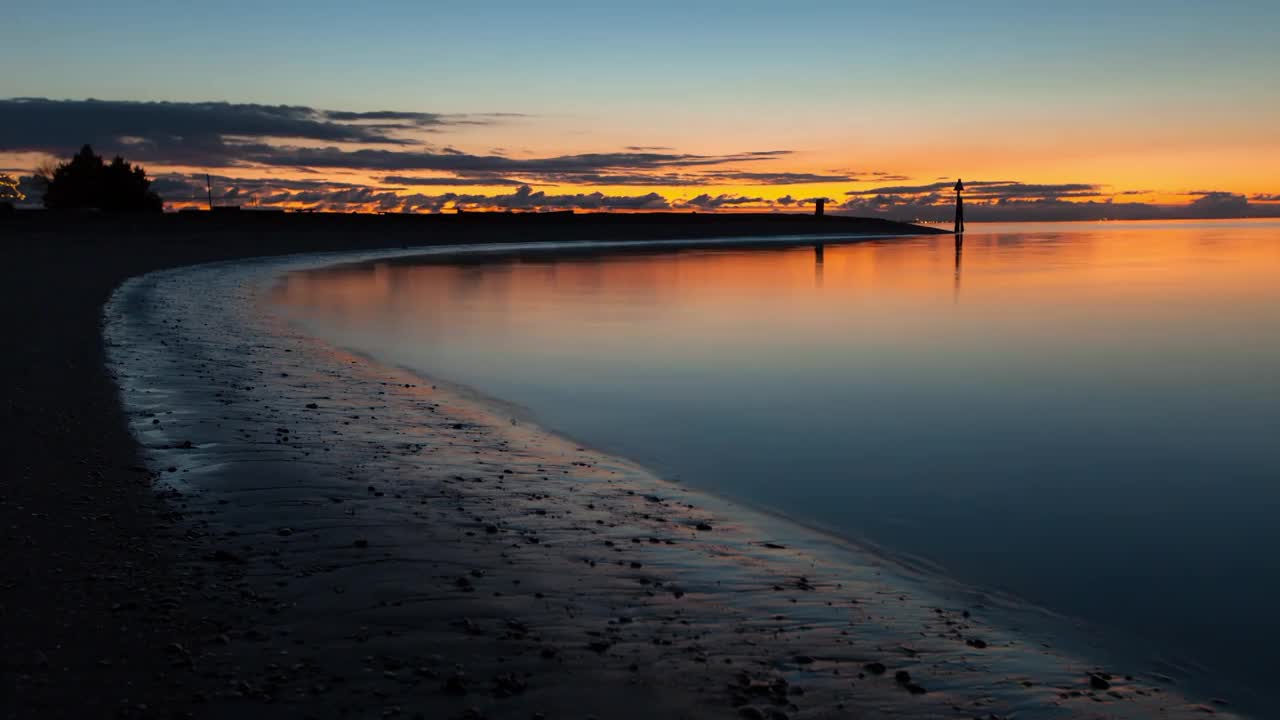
270	526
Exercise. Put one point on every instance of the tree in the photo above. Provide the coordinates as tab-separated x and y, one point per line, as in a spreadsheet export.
87	182
9	188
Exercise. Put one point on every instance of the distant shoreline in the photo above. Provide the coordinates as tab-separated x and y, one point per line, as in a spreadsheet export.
334	231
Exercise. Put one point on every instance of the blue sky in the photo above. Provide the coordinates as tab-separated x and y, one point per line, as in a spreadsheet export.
535	57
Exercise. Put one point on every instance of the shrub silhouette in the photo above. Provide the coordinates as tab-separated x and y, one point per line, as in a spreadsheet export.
87	182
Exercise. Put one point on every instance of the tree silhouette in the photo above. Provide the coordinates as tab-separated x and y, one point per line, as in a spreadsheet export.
87	182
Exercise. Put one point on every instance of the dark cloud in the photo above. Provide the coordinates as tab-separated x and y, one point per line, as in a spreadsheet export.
938	206
60	125
459	162
911	189
525	198
218	135
777	178
179	187
1217	204
345	197
449	181
1031	190
995	200
616	178
638	175
990	189
707	202
413	118
1265	198
626	168
718	177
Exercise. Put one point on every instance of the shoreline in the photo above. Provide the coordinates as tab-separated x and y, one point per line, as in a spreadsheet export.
974	662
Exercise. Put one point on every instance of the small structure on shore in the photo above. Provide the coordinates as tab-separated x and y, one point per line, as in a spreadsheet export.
959	228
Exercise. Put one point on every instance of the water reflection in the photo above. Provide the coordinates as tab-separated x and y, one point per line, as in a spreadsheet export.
959	254
1092	428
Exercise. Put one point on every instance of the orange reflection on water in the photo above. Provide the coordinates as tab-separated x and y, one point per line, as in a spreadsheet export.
1113	268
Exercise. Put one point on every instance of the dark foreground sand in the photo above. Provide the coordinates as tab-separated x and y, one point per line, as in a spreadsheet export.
428	559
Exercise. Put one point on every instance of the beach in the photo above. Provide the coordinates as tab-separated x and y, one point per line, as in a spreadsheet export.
271	525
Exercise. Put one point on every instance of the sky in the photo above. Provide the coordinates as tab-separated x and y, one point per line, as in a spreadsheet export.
1072	110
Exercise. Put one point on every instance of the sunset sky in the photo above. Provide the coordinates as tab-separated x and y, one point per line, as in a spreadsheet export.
1078	110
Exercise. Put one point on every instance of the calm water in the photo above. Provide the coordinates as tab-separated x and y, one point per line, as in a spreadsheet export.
1087	416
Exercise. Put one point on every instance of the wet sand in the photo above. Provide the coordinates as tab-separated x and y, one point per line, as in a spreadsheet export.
335	538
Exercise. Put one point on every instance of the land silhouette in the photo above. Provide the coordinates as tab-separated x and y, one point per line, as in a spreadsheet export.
314	231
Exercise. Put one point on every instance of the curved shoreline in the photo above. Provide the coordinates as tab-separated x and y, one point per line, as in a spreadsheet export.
558	517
